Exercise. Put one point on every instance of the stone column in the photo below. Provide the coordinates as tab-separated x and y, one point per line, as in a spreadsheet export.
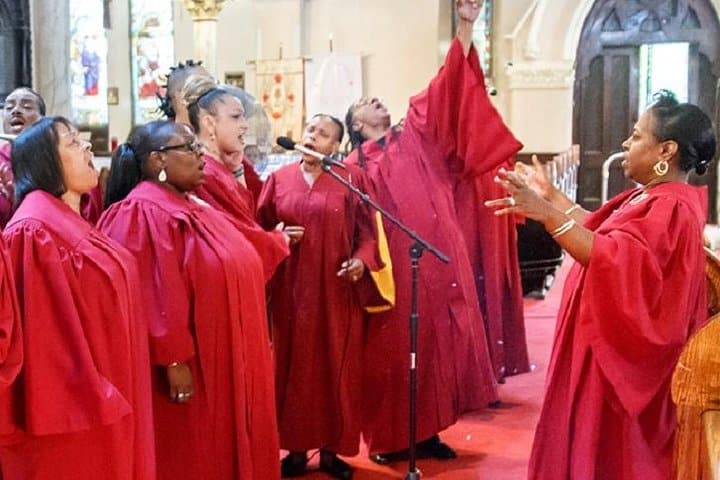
51	53
205	14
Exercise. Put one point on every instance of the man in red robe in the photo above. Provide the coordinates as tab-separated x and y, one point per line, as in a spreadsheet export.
317	311
450	128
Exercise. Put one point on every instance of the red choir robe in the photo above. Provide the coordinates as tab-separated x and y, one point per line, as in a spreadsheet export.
492	246
81	407
252	179
623	322
317	317
449	129
11	341
205	286
222	190
6	202
492	240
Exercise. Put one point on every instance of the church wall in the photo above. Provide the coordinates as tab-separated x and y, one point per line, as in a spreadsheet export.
402	42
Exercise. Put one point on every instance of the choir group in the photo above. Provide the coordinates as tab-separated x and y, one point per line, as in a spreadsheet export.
185	320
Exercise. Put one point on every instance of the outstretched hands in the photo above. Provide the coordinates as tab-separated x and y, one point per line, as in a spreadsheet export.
522	199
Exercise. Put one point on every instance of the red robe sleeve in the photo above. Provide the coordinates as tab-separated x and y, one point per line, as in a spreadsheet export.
640	296
61	388
252	179
11	342
456	114
156	240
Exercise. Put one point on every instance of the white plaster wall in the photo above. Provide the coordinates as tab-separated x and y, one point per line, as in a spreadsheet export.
402	42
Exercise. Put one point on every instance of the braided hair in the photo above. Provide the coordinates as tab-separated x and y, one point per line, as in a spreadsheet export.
175	80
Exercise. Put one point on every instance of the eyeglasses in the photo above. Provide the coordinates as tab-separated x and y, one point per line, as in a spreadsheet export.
194	147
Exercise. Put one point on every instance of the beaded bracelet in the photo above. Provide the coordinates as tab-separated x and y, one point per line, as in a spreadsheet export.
239	172
564	228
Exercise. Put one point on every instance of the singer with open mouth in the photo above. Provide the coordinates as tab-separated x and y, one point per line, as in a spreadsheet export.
317	299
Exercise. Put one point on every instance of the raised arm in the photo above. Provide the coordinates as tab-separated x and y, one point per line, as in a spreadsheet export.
467	13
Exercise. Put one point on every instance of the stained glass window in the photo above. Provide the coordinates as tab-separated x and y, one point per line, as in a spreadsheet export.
482	34
482	37
88	63
151	30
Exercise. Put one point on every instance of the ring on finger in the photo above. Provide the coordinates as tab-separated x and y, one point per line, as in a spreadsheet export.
511	201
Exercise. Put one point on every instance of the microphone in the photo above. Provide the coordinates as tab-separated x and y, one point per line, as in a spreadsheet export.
288	144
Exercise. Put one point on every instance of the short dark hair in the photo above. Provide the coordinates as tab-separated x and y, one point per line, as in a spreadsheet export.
688	126
36	161
128	161
336	121
38	99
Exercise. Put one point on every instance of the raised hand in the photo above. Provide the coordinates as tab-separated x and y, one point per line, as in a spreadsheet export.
536	177
522	199
468	10
7	186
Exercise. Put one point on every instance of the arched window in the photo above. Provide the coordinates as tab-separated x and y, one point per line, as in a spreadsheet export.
151	30
88	63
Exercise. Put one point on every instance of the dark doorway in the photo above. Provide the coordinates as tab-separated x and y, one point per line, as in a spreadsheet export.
609	75
15	66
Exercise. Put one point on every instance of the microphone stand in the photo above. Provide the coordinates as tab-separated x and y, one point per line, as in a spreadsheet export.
416	250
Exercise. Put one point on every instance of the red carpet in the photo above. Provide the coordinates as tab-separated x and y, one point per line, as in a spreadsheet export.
493	444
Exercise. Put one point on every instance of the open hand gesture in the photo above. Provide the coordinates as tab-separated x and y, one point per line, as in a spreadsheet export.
536	177
522	199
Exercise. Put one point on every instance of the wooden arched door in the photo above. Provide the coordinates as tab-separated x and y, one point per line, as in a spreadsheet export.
15	69
607	77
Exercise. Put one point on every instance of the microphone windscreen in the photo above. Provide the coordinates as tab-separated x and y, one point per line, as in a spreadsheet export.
286	143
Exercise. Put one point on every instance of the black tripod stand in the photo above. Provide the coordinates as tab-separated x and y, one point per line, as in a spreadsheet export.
416	250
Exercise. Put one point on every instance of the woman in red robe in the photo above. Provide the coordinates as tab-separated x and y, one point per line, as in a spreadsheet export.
81	407
317	314
631	301
218	118
204	286
451	129
23	107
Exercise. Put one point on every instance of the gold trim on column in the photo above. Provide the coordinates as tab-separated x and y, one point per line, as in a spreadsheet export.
203	9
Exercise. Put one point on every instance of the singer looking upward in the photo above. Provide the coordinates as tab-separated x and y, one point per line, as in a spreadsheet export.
218	118
451	129
316	303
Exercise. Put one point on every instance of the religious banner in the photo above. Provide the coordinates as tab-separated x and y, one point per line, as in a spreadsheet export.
332	83
280	91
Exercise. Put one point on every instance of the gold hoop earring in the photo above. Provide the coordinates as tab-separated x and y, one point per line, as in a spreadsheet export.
661	168
162	176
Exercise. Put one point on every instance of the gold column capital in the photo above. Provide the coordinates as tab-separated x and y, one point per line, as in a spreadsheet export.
203	9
